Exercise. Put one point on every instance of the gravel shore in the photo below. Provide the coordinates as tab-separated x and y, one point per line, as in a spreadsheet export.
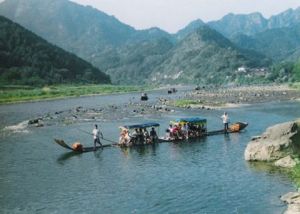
235	96
208	99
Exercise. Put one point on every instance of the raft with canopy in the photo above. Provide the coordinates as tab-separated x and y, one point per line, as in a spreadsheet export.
137	134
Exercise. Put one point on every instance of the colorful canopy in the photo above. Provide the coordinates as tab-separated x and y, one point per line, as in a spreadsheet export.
192	120
143	125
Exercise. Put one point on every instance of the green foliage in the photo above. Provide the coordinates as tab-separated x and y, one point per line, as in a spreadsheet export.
185	103
283	72
30	60
295	174
205	57
13	93
133	64
131	56
296	71
278	44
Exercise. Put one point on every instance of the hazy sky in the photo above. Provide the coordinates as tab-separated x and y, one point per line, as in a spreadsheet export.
172	15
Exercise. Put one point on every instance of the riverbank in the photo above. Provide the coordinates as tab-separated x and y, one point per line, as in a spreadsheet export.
16	94
237	96
279	146
207	98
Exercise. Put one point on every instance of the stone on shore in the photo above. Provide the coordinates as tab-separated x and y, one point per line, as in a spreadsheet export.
286	162
275	143
293	201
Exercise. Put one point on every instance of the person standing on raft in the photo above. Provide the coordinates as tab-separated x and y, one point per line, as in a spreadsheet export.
96	134
225	119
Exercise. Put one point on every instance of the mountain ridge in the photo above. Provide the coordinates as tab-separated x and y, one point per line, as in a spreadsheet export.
28	59
122	51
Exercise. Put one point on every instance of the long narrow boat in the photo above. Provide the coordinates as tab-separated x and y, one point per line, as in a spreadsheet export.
233	128
83	149
201	123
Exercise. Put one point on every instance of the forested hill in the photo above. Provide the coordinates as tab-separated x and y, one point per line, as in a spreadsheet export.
25	58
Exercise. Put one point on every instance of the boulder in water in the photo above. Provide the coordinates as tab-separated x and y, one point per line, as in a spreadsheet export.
275	143
293	201
286	162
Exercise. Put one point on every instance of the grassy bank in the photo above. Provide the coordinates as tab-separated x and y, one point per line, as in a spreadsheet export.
295	174
187	103
295	85
13	94
183	103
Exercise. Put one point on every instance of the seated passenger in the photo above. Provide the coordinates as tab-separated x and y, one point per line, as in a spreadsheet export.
168	135
153	134
176	132
146	139
124	138
134	136
171	131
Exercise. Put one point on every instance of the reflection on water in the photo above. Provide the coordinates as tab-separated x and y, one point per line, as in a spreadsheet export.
263	167
206	175
66	156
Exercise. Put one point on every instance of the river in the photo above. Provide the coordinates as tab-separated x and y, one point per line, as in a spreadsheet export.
203	176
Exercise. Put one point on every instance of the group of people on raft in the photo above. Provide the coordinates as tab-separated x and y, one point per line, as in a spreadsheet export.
176	131
139	136
185	131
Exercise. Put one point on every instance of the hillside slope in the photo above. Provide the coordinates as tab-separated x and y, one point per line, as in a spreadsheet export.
26	58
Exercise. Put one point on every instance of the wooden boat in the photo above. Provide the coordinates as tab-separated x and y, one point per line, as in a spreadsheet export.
137	134
172	90
233	128
144	97
83	149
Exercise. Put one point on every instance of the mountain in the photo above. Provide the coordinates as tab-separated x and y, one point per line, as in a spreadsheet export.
26	58
204	56
251	24
191	27
278	43
134	63
132	56
232	24
79	29
287	18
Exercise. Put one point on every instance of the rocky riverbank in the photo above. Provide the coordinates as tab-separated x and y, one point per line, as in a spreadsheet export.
279	145
235	96
203	98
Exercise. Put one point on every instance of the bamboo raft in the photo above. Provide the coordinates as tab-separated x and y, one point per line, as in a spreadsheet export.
234	128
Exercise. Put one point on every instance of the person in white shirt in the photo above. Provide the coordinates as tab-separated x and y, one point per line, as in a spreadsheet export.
96	134
225	119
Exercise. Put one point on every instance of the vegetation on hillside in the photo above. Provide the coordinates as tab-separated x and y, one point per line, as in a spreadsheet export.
196	54
205	57
285	72
27	59
278	44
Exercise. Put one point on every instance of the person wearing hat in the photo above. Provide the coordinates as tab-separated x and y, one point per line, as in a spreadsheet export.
96	134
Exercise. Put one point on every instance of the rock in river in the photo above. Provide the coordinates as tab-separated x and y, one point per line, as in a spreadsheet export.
287	162
275	143
293	201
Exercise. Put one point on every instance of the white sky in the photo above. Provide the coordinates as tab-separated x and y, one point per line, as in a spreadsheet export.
172	15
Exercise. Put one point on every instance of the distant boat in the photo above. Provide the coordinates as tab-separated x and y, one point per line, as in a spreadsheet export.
144	97
172	90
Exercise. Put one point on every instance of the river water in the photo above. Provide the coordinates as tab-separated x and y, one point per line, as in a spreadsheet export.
203	176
